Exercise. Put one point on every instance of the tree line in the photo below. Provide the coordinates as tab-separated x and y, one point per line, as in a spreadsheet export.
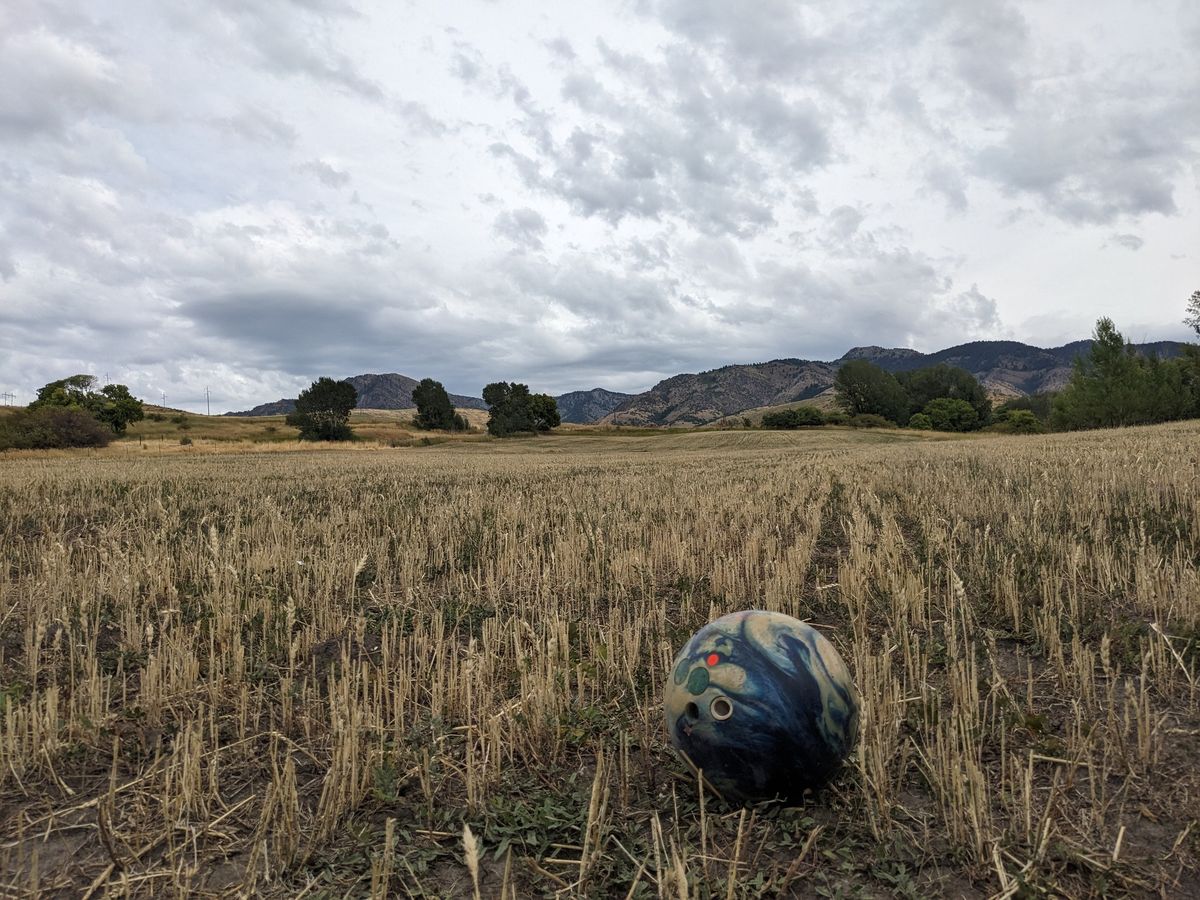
323	410
1111	385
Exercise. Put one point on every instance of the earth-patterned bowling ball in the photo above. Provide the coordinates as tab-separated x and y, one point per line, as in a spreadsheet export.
762	704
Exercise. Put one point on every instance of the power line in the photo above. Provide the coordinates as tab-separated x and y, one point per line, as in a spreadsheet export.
9	398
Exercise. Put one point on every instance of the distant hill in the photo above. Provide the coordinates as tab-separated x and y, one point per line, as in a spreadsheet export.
390	391
702	398
1004	368
583	407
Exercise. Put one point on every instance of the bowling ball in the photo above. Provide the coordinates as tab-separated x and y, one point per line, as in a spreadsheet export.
763	705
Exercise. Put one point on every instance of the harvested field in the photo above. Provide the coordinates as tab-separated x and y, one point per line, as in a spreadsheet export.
436	671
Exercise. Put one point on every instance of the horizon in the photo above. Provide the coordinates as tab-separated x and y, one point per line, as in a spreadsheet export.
204	401
245	199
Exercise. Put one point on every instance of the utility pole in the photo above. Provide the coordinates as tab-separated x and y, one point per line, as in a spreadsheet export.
9	398
207	400
164	398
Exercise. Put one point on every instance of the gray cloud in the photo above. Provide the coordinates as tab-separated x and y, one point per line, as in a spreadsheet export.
1128	241
947	182
259	126
725	182
524	227
327	174
1092	165
290	39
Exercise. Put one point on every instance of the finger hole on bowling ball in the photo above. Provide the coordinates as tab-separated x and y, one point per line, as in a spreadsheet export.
721	708
692	710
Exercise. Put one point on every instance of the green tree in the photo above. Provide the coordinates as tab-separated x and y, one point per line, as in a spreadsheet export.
513	410
508	408
932	382
118	408
1192	319
544	411
947	414
434	409
865	389
323	411
112	405
1112	386
920	421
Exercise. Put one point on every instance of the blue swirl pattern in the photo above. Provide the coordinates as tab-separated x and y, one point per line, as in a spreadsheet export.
763	705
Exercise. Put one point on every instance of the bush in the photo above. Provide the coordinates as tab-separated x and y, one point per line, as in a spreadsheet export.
946	414
870	420
799	417
1018	421
52	427
185	441
1038	404
920	421
836	417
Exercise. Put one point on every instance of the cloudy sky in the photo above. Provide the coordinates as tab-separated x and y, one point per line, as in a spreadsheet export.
247	194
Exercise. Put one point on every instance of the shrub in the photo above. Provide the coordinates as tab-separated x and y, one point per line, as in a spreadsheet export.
920	421
185	441
836	417
1018	421
52	427
870	420
799	417
946	414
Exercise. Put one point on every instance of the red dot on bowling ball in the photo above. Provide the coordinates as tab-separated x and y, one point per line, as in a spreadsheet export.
713	659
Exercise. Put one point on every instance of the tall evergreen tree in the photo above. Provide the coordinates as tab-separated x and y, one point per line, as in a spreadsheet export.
1113	385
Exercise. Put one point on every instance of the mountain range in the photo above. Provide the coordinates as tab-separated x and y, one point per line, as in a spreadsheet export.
1005	368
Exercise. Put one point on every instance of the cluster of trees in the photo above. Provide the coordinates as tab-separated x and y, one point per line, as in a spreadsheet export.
1115	385
1111	385
941	397
323	410
512	409
70	412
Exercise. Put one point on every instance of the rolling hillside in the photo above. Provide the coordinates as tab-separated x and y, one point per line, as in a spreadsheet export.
1004	368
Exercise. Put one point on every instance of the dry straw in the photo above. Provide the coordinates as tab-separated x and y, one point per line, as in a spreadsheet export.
305	673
